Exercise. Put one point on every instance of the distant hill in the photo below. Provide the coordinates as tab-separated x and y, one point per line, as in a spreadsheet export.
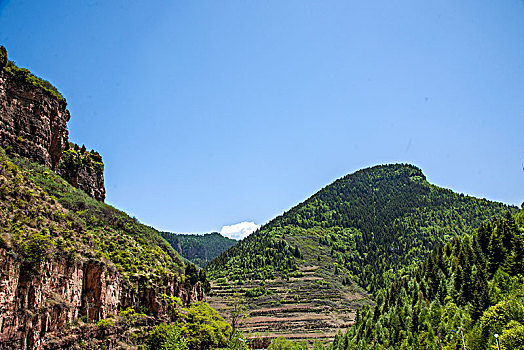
199	249
350	238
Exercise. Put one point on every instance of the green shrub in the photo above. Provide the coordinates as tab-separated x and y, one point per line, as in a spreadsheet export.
105	323
166	337
204	327
238	341
3	57
282	343
74	158
257	292
34	248
512	336
23	75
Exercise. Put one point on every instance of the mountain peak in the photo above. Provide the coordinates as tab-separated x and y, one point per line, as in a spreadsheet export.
349	238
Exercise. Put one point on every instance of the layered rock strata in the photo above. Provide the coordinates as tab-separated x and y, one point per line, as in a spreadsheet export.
34	305
87	179
33	124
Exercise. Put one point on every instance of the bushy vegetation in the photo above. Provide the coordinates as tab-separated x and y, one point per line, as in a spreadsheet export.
199	249
194	275
282	343
474	282
32	223
199	325
191	327
3	57
375	223
166	337
76	157
23	75
41	215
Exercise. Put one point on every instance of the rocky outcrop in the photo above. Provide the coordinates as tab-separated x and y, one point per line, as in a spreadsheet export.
84	170
36	305
88	179
41	298
33	124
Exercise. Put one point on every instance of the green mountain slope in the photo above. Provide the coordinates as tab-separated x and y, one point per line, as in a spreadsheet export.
199	249
370	221
319	258
45	222
43	215
474	282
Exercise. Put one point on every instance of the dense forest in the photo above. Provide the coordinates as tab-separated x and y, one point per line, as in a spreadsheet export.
376	223
199	249
474	284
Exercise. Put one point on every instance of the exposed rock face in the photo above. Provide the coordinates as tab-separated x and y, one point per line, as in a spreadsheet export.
85	171
38	302
88	179
33	123
33	306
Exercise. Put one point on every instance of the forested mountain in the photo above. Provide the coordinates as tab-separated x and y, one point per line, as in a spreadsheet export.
371	221
322	257
475	282
199	249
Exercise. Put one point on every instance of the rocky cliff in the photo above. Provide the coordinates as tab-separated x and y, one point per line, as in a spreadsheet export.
66	259
84	170
34	306
33	124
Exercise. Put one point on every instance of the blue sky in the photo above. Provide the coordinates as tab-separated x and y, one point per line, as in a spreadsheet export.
212	113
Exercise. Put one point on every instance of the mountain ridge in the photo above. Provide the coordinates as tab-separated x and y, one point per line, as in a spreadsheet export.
350	238
199	249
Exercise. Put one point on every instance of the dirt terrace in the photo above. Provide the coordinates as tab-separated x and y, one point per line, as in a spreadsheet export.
313	306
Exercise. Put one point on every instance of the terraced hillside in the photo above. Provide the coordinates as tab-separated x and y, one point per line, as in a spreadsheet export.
323	256
303	307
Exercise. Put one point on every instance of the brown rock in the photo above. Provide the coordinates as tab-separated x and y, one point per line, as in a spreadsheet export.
36	306
86	178
33	123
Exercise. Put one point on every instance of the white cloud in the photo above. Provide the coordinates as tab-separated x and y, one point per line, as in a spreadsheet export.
240	230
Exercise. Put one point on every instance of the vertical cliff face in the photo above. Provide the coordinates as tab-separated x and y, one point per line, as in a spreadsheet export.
33	124
64	258
35	306
88	179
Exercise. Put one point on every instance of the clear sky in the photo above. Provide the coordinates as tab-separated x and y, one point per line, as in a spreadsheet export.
212	113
